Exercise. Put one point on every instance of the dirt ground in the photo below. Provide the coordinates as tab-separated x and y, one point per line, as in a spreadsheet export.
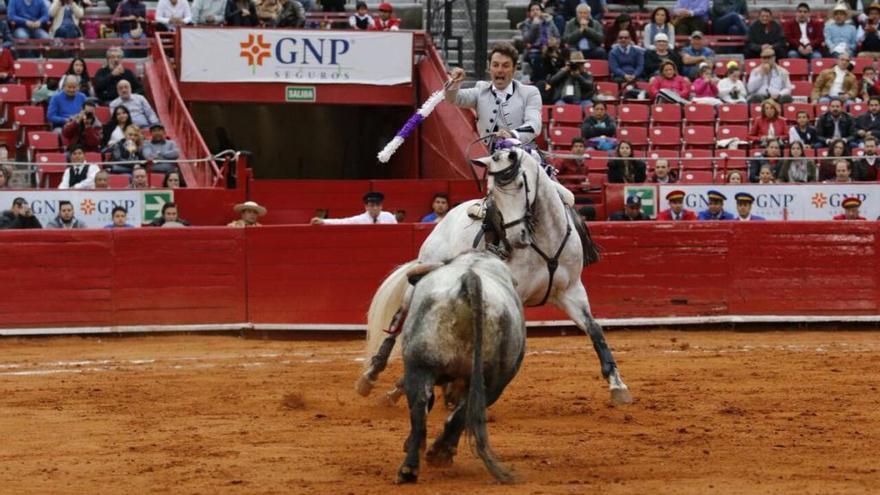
715	412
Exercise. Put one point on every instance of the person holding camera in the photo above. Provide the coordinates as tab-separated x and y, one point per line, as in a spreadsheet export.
836	82
20	216
84	129
536	31
571	84
66	16
731	89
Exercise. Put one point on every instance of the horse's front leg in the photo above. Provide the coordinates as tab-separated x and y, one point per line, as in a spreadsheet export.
575	303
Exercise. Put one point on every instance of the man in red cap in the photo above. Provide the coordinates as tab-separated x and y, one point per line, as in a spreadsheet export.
676	209
386	21
850	209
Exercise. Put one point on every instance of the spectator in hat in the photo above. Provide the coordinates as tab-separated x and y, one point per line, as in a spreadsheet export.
661	52
20	216
161	150
572	84
840	35
624	168
249	211
626	61
142	113
729	17
386	21
715	211
676	211
763	34
851	207
661	23
769	80
79	174
120	219
585	34
695	54
632	211
65	218
373	213
836	124
170	217
691	15
744	202
836	82
867	34
731	89
439	208
361	19
805	36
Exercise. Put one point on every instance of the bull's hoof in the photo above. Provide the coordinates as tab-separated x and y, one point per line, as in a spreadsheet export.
621	396
364	386
407	475
439	456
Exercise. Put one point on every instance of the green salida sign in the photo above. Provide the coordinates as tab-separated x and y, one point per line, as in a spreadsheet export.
153	203
300	94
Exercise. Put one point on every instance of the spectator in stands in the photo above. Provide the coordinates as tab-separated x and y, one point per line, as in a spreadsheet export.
705	87
599	124
7	64
715	211
114	131
598	8
669	85
837	151
850	209
632	211
695	54
102	179
536	30
836	82
170	217
840	35
107	77
766	33
241	13
139	178
386	21
28	18
691	15
171	14
662	174
66	16
293	14
5	177
19	217
870	86
626	61
6	40
865	168
249	211
65	218
769	126
797	167
765	175
66	105
654	58
802	131
624	167
131	17
868	123
676	211
120	219
209	11
79	174
142	114
573	171
173	180
84	129
805	36
45	91
361	19
731	89
729	17
585	34
552	61
268	11
572	84
744	203
373	213
734	177
842	172
161	150
769	80
771	157
439	208
129	149
79	69
867	34
661	23
835	124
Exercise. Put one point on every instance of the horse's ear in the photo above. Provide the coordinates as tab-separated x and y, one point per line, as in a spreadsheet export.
481	162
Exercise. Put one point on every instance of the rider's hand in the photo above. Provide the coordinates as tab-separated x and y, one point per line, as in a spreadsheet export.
457	75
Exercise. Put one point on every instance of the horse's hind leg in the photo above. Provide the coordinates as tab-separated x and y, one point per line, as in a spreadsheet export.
419	386
444	448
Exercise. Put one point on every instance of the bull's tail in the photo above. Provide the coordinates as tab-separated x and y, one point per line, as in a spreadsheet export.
476	401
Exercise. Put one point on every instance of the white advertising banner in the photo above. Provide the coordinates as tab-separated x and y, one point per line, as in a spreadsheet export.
296	56
784	202
93	208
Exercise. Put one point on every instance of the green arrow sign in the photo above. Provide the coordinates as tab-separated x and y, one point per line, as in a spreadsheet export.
153	203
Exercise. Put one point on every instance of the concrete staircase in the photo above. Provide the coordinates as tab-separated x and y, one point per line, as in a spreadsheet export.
499	30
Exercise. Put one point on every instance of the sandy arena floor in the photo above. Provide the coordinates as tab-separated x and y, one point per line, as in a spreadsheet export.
715	412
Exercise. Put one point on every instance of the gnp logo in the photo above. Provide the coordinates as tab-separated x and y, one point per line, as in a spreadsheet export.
255	50
307	57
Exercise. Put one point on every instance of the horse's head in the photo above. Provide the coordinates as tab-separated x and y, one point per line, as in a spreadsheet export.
512	189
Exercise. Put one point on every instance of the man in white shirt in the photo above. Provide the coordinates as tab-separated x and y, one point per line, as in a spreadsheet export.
142	113
173	13
79	174
373	213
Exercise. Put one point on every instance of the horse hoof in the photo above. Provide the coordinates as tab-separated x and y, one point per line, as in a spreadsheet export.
407	475
621	396
439	457
364	386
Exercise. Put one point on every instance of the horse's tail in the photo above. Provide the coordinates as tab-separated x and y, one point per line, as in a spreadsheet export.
476	402
385	303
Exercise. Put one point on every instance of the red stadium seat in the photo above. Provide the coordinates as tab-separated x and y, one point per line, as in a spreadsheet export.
118	181
797	68
598	68
94	65
859	64
697	159
12	95
699	136
567	115
821	108
696	176
636	136
802	89
608	88
731	159
598	180
790	111
611	110
28	118
660	154
42	141
733	131
28	72
856	109
561	136
597	161
699	114
55	68
817	65
754	111
666	113
750	64
633	115
103	114
665	137
93	157
733	113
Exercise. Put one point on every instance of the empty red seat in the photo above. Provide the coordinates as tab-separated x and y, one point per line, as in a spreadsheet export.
56	68
669	155
859	64
733	131
790	111
666	113
696	176
699	136
103	114
567	114
817	65
610	89
666	137
598	68
28	72
856	109
633	115
29	115
697	159
797	68
750	64
699	114
597	161
731	159
636	136
561	136
43	141
733	113
118	181
12	95
802	89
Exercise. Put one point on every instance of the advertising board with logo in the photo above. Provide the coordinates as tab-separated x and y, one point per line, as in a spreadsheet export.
93	208
296	56
784	202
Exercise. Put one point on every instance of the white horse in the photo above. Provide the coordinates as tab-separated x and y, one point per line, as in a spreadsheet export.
545	258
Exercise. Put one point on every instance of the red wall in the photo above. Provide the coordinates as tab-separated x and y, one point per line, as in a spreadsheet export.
308	275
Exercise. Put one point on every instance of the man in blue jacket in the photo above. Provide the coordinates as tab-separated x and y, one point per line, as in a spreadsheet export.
716	208
28	18
626	61
65	104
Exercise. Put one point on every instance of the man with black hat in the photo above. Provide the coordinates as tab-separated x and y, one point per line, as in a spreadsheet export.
19	217
676	211
158	149
716	207
744	202
632	211
373	213
850	209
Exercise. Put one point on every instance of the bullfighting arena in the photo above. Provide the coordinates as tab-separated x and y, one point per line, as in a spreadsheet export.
715	412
